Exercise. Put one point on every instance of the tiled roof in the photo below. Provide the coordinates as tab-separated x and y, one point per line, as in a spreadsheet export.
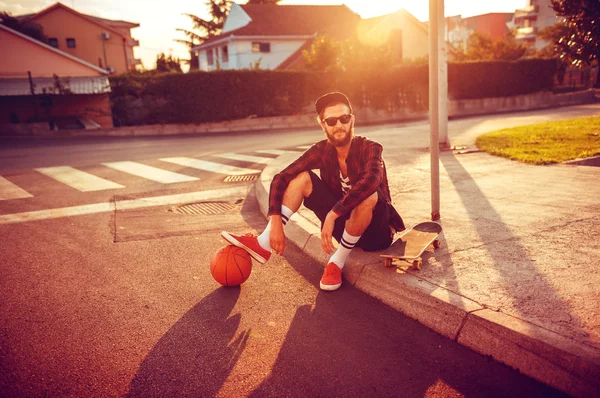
75	85
288	20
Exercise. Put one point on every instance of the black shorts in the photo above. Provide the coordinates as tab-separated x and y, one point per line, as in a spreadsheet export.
378	234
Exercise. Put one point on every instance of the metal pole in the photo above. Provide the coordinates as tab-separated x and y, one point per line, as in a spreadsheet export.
434	108
32	88
443	78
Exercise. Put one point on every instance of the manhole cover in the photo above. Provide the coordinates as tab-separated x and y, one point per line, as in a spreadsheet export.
204	208
249	177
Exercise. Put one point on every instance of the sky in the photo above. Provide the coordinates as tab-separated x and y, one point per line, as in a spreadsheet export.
159	19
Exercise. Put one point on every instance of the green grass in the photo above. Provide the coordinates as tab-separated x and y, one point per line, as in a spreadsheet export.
545	143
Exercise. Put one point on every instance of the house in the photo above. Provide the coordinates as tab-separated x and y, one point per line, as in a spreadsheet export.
102	42
537	15
266	34
495	25
273	36
41	84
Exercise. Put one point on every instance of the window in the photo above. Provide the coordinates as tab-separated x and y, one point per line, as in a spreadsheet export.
209	57
258	47
53	41
71	42
225	54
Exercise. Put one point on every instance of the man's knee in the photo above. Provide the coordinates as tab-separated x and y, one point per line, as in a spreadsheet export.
367	205
302	182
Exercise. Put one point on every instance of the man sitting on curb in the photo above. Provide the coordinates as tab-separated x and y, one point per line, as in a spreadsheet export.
352	197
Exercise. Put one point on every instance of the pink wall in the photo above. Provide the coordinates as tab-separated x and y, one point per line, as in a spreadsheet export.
20	55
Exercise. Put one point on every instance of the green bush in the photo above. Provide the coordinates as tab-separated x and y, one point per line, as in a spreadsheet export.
200	97
470	80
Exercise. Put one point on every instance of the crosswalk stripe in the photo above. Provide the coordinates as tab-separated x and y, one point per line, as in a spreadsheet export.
78	179
272	151
210	166
245	158
149	172
123	205
8	190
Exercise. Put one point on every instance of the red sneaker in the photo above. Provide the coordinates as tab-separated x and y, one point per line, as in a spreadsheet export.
332	277
248	242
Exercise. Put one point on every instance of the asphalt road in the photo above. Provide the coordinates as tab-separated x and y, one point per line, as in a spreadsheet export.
120	302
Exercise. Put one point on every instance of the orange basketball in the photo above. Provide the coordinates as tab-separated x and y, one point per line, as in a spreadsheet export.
231	266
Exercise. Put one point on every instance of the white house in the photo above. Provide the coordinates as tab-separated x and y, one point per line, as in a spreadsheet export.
273	36
265	35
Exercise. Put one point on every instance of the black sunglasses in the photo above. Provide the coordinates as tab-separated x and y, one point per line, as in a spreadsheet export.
332	121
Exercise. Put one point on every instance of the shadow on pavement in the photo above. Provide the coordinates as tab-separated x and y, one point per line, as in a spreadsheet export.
519	274
197	354
350	344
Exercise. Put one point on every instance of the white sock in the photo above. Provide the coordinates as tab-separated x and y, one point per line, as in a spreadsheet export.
343	251
264	239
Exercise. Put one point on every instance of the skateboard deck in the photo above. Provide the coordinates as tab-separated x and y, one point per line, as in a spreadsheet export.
413	243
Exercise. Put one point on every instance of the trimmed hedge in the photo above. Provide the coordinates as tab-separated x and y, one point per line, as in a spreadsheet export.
200	97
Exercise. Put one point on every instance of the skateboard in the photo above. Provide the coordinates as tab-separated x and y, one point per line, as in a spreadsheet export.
412	244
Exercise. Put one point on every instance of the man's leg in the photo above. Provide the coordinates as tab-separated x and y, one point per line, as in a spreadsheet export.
359	220
259	247
298	189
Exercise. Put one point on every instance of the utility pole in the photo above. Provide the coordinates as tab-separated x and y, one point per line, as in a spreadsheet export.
443	77
438	98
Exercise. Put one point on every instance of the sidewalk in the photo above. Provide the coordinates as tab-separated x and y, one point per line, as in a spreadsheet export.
516	276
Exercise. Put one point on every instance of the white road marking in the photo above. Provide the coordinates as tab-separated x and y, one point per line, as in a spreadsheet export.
8	190
272	151
210	166
149	172
78	179
123	204
245	158
304	146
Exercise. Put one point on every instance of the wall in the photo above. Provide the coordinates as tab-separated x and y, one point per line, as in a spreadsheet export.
236	18
242	57
63	24
22	55
93	107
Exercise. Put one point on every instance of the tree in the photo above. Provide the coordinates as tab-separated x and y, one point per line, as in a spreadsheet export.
481	47
326	54
204	29
24	26
167	63
581	42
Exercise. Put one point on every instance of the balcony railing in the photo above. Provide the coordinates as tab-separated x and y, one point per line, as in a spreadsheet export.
526	33
133	43
527	12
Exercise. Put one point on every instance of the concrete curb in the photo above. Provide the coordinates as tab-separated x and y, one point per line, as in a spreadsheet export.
544	355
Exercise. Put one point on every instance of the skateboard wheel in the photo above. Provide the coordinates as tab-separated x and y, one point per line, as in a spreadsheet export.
417	264
388	262
436	244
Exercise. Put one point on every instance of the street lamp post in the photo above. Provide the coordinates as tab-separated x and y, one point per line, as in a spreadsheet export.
438	98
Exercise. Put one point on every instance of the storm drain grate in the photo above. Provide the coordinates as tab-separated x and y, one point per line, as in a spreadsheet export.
204	208
248	177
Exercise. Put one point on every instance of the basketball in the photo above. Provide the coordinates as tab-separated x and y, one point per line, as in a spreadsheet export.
231	266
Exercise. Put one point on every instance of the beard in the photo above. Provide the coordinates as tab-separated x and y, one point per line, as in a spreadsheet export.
341	140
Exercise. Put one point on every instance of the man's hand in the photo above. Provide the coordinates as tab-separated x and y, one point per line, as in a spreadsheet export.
277	236
327	232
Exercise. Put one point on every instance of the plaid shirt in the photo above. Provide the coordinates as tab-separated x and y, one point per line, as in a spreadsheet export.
366	171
